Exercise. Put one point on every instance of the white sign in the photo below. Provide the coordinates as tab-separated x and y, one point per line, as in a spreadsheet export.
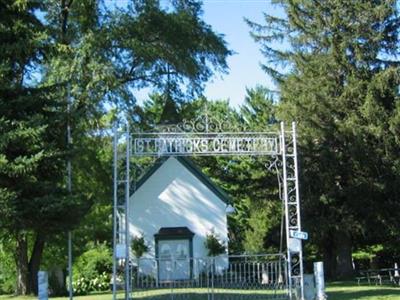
294	245
254	144
301	235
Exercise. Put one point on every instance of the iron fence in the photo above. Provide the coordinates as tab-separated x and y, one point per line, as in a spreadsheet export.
224	277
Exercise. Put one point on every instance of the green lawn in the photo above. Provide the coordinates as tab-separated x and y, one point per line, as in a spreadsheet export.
335	291
350	291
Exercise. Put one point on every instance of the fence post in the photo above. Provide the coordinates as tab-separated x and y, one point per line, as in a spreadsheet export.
319	280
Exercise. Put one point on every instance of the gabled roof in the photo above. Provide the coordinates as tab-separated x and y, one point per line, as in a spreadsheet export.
192	168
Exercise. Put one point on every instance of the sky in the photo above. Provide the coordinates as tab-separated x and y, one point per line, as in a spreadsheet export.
227	17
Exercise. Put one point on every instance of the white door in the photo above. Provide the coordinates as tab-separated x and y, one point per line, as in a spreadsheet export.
174	260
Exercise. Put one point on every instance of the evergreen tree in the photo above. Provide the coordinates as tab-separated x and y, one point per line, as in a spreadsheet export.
94	56
262	232
338	78
33	200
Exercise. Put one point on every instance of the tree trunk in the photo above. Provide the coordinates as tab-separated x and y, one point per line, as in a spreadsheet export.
329	259
21	260
34	262
344	266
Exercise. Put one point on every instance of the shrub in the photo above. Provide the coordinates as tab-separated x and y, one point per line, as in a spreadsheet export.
213	245
139	246
84	285
92	270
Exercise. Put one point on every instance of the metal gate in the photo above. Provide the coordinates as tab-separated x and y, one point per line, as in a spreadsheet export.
240	280
223	277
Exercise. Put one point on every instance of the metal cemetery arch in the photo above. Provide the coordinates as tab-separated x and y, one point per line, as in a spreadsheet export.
202	137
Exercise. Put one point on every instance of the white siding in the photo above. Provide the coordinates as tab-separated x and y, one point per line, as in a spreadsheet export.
174	197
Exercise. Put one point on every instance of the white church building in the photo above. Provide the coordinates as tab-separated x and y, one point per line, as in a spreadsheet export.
174	207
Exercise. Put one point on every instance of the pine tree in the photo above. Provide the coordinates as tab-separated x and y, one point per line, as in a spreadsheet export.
335	63
262	232
33	200
93	56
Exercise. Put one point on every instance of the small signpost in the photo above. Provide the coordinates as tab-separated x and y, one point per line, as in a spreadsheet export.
301	235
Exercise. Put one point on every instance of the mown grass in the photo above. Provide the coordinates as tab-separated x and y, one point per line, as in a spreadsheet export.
351	291
335	291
